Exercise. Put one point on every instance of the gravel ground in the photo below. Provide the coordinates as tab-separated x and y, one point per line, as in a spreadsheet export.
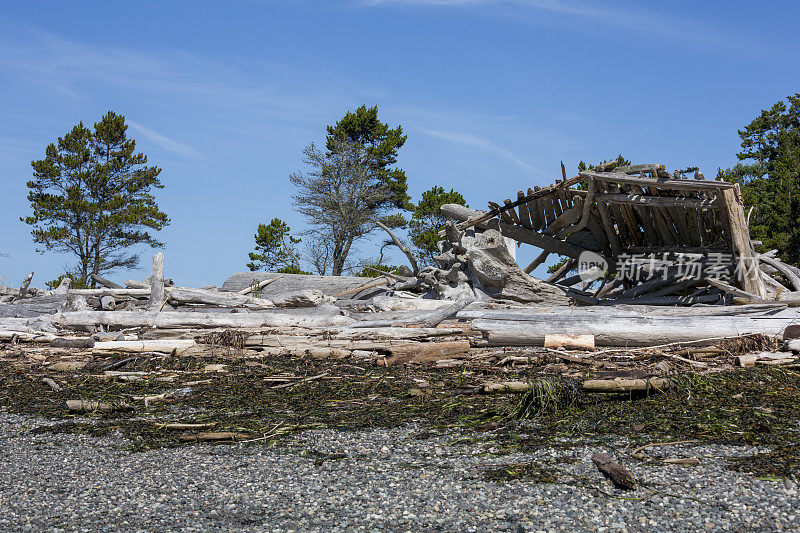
391	480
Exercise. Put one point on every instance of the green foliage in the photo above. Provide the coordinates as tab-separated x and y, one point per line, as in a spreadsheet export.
75	284
92	196
769	176
292	270
619	162
373	271
381	143
275	248
427	220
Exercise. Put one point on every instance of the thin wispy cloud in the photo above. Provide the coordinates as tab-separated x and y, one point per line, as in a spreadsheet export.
171	145
608	15
475	141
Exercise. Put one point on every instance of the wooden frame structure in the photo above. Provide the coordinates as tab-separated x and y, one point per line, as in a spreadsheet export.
635	209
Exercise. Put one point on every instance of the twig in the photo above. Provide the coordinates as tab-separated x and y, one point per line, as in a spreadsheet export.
636	453
312	378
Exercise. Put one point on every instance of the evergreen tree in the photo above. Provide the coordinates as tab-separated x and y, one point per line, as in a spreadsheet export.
427	220
92	196
381	144
769	176
275	249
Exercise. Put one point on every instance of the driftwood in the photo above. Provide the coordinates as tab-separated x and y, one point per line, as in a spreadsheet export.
185	295
157	282
260	285
23	288
104	282
83	406
164	346
620	476
571	342
625	331
174	319
287	283
625	385
425	352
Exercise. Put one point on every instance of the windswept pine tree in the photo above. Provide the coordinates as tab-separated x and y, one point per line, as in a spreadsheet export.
92	197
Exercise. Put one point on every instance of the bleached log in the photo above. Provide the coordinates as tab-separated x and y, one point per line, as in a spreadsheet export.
81	406
626	331
285	283
425	352
175	319
105	282
25	336
625	385
303	298
260	285
784	269
35	306
186	295
23	288
165	346
571	342
157	282
116	293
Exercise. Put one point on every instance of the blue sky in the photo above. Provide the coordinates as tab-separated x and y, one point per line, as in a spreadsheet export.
492	94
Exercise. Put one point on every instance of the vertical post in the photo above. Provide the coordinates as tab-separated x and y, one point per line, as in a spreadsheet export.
157	282
744	256
23	289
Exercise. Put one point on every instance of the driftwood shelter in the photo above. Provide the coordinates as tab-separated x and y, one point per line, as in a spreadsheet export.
666	240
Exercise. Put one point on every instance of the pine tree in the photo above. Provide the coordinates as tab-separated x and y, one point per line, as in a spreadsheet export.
769	176
275	248
381	143
427	220
92	196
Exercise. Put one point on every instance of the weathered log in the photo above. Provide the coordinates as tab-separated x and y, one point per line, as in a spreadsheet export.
425	352
23	288
35	306
625	179
104	282
286	283
174	319
157	282
213	436
784	269
303	298
165	346
625	385
72	342
260	285
620	476
82	406
25	336
186	295
571	342
626	331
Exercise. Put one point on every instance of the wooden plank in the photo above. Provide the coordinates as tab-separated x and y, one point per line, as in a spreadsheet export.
609	229
511	211
537	193
549	210
536	209
505	217
732	213
567	218
523	212
657	201
670	184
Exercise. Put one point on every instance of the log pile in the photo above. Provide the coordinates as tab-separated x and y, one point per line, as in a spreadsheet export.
476	299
